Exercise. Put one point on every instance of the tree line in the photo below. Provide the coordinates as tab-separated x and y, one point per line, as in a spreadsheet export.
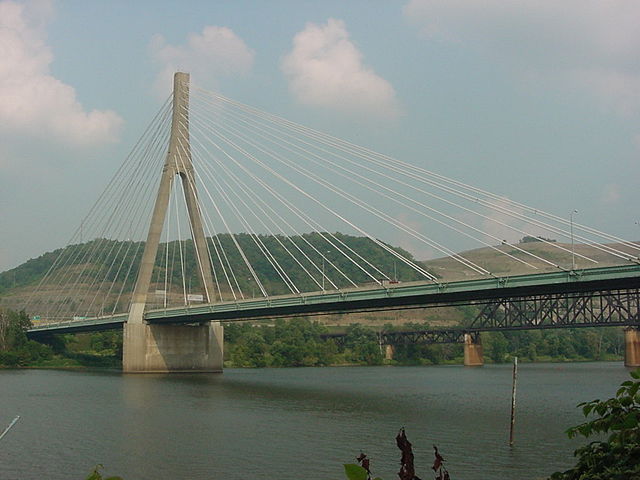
101	349
300	342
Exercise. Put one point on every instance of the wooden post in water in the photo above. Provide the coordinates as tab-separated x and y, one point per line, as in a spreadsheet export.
513	399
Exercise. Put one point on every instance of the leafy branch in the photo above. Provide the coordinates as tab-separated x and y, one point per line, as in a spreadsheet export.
619	456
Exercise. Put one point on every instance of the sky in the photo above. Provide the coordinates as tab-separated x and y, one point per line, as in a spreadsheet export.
538	100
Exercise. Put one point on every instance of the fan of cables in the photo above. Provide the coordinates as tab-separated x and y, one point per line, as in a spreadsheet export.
287	209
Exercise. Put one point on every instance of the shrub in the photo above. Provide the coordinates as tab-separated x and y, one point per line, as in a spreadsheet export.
617	457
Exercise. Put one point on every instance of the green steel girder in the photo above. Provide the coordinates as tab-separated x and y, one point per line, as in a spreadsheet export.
411	295
399	296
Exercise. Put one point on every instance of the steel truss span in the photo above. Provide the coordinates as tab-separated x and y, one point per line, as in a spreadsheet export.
602	308
561	310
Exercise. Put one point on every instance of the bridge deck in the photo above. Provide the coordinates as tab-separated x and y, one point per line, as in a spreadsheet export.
409	295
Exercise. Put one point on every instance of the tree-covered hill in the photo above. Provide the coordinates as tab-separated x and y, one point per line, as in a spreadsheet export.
118	261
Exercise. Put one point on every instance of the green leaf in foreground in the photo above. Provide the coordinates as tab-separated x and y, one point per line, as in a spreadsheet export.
618	457
355	472
96	475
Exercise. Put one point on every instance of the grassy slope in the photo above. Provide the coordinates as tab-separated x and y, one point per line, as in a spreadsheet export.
449	269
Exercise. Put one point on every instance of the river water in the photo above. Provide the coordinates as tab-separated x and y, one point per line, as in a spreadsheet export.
293	423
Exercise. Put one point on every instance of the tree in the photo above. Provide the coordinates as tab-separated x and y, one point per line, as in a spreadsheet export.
617	457
498	346
362	345
15	348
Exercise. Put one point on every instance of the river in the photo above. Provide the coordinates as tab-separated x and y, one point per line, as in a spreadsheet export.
293	423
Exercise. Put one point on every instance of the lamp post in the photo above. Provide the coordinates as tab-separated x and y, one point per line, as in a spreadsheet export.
573	255
253	288
323	270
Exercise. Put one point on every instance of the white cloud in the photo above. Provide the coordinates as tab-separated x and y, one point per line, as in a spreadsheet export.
592	45
216	52
325	69
32	101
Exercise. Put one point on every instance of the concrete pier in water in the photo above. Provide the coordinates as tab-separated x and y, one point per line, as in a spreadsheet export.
632	347
472	351
172	348
388	352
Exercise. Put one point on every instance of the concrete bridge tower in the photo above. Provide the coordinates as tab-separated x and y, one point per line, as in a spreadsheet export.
173	348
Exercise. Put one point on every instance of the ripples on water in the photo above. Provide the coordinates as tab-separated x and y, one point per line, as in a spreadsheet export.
293	423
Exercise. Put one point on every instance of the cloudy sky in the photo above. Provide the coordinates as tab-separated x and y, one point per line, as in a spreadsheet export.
535	100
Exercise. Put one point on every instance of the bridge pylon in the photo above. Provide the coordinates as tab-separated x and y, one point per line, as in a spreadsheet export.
173	348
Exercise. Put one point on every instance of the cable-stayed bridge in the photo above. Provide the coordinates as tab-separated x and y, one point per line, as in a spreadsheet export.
164	258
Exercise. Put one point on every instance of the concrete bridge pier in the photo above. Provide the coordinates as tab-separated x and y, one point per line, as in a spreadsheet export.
472	351
632	347
388	352
172	348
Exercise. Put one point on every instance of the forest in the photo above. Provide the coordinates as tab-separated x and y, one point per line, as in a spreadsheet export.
104	253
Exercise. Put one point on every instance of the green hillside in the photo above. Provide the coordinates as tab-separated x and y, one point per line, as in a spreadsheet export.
104	254
19	283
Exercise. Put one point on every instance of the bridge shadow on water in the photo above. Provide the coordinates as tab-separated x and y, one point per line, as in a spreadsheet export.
315	392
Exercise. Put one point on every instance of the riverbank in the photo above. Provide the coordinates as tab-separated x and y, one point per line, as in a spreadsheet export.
300	343
115	364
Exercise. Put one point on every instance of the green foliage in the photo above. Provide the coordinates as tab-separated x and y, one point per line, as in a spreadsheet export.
497	347
361	346
96	475
286	343
15	348
421	354
105	252
355	472
106	343
298	343
530	239
102	349
554	345
617	457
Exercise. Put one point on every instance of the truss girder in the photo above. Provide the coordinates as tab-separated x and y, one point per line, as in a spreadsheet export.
560	310
426	336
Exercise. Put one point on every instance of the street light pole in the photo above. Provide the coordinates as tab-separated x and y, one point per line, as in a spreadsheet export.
573	255
323	258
